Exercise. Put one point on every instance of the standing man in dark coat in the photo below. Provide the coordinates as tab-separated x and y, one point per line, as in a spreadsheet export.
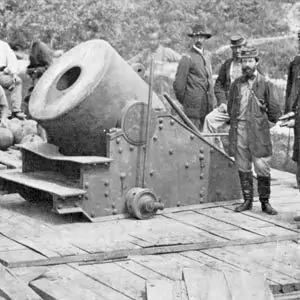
292	104
250	108
193	81
230	70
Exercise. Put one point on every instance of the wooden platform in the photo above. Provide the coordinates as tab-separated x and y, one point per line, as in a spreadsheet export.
45	256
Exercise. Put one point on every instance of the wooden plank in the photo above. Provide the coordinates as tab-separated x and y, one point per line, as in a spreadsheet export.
148	251
29	274
288	296
201	284
243	285
116	278
165	290
14	289
7	244
59	282
10	160
18	256
242	262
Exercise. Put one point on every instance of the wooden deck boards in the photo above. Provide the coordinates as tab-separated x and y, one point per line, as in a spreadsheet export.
27	239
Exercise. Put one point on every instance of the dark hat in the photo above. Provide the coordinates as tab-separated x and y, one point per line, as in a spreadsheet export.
249	52
237	41
199	30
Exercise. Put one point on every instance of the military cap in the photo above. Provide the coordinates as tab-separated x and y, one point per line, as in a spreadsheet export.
237	41
249	52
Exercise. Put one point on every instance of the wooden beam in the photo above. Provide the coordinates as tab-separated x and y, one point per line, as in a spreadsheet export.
117	254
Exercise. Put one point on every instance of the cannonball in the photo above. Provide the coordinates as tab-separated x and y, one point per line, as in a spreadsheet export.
22	128
31	138
6	138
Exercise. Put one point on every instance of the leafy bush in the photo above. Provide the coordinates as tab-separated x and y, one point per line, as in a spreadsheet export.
65	23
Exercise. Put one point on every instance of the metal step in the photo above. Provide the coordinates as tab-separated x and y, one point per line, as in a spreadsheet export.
46	181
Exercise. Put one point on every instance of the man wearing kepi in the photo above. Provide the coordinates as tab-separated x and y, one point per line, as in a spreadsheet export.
193	81
250	107
230	70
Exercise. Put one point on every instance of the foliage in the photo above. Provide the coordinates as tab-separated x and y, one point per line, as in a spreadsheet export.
65	23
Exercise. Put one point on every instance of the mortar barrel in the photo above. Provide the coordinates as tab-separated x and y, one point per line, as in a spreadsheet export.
82	95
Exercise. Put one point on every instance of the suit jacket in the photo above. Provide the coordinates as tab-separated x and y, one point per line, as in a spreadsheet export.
193	85
258	128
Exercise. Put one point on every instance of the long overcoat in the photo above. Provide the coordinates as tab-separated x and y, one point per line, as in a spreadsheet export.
262	108
193	85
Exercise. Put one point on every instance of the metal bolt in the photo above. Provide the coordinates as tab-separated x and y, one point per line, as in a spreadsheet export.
120	150
201	156
151	173
212	150
172	122
161	126
160	121
118	140
171	151
192	136
106	194
123	176
178	203
106	183
201	150
155	138
114	211
86	185
187	165
201	176
131	147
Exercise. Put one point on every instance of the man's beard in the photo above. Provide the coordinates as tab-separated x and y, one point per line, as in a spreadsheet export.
248	72
199	45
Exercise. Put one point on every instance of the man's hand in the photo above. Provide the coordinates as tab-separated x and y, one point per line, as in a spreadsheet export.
290	123
222	108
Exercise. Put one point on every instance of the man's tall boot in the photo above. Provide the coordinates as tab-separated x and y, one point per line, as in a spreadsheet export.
264	191
246	180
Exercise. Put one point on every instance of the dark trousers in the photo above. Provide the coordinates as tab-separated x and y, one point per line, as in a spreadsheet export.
198	122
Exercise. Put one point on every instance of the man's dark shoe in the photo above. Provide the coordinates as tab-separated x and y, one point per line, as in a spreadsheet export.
247	205
297	218
268	209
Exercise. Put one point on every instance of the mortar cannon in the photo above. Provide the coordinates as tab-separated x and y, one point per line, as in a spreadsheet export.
107	153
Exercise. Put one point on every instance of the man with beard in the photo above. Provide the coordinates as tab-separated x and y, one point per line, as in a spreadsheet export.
193	84
230	70
250	108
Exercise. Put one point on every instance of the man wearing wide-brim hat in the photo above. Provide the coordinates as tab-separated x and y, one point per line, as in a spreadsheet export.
250	107
193	84
230	70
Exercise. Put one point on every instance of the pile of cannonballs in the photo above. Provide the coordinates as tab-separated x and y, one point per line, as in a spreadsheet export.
19	132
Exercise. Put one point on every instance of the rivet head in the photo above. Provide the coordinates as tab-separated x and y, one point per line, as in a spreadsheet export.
151	173
201	195
120	150
178	204
230	164
187	165
201	150
161	126
122	175
171	151
201	156
160	121
106	194
172	122
212	150
154	138
201	176
114	211
59	206
192	136
106	183
131	147
118	140
86	185
113	206
92	214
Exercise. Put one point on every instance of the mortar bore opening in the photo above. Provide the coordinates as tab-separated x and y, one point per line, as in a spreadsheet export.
68	78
